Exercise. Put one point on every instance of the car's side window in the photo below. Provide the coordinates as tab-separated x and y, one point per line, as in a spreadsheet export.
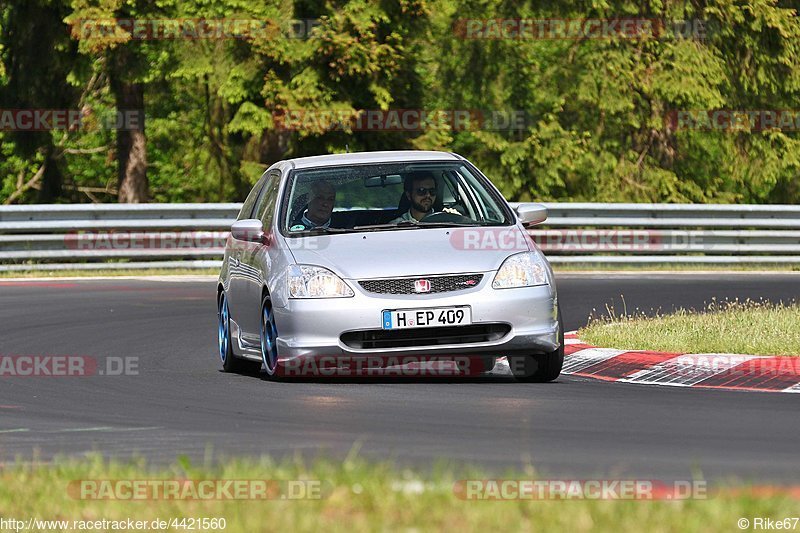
265	209
250	201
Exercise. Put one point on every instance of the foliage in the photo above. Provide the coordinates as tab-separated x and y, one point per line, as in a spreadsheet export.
596	110
356	495
727	327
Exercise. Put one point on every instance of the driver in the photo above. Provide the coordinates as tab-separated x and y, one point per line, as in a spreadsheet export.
320	207
420	189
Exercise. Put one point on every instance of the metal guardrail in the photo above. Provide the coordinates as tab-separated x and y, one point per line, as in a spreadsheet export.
114	236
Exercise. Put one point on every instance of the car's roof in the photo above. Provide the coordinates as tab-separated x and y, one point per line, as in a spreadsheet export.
395	156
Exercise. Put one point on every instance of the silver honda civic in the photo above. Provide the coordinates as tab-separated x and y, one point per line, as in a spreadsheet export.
379	259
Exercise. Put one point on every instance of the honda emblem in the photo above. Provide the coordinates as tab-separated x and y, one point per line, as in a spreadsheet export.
422	285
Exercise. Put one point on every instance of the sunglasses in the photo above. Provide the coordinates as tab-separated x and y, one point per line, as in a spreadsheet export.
422	190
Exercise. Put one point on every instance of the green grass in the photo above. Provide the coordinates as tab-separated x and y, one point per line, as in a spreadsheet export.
361	496
753	328
673	267
111	273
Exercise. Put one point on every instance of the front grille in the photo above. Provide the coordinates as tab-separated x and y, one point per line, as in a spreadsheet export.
407	285
405	338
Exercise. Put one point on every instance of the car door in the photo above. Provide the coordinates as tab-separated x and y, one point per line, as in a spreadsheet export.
253	260
235	252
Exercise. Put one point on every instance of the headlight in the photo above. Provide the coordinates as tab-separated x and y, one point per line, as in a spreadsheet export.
316	282
521	270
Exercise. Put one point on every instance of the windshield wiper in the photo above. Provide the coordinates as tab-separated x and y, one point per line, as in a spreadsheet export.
402	224
450	224
407	224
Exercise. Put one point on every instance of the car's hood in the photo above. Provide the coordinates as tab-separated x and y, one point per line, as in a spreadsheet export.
411	252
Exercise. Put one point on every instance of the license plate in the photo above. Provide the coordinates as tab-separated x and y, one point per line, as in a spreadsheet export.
426	318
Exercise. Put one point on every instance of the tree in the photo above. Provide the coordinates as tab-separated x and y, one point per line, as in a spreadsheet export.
594	109
35	80
104	28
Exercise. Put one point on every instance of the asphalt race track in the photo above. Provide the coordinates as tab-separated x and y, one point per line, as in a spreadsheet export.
181	403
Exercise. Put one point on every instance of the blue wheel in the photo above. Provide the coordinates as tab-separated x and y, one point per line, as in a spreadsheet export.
223	328
269	338
230	363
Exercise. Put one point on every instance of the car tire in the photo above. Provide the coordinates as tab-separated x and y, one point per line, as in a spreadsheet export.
269	340
539	368
230	363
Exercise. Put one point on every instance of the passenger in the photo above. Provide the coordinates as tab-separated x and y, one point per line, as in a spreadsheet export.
320	206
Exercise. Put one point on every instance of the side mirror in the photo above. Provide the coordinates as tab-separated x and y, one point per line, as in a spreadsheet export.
250	230
531	214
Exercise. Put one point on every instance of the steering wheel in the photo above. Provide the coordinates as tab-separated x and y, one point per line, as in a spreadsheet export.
443	216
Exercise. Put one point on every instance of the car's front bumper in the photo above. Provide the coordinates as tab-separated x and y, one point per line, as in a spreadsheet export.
313	327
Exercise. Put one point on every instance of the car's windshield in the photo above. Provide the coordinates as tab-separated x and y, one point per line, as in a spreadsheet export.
389	197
